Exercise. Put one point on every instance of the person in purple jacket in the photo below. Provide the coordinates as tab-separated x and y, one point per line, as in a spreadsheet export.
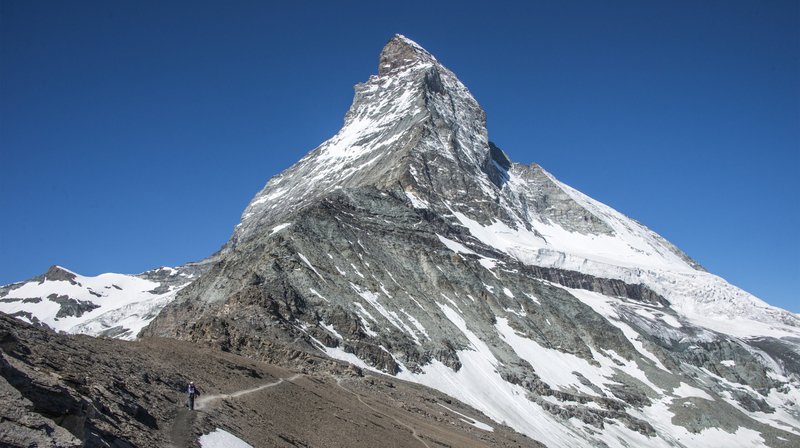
192	391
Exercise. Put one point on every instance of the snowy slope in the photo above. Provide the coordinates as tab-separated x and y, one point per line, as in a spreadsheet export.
635	254
117	305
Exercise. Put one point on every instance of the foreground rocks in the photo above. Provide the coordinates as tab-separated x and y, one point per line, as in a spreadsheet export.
78	391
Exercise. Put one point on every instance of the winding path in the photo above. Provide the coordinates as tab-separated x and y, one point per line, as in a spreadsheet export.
181	433
180	430
205	400
414	432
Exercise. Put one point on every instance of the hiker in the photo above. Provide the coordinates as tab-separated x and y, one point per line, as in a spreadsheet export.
192	392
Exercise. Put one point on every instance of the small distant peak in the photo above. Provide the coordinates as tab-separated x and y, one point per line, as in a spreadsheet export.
401	51
57	273
165	270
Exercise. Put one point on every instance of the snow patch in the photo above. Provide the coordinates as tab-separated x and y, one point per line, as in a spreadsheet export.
314	291
331	329
455	246
279	227
416	202
220	438
687	391
534	298
305	260
470	420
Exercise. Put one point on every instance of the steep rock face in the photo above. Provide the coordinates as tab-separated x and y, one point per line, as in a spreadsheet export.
411	245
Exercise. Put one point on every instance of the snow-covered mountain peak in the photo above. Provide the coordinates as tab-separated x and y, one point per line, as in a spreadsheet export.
416	130
414	115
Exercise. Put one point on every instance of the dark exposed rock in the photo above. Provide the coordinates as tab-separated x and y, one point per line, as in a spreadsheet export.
785	351
751	402
28	300
21	426
629	395
70	306
398	53
30	317
710	355
57	273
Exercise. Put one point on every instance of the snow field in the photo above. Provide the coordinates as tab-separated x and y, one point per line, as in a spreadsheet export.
122	299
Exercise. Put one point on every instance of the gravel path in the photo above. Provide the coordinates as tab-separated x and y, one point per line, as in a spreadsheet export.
204	401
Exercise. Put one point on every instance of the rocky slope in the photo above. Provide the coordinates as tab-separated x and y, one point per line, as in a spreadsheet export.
73	391
410	244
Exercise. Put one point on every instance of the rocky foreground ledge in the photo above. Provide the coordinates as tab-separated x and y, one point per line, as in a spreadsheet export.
77	391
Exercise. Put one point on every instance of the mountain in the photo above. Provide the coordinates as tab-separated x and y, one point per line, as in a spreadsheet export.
113	305
410	245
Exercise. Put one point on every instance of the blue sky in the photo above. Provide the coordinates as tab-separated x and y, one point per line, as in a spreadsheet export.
133	134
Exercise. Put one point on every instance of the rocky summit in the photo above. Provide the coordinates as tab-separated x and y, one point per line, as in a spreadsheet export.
411	247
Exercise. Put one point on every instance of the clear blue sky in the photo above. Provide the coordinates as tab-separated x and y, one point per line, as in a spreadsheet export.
133	134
